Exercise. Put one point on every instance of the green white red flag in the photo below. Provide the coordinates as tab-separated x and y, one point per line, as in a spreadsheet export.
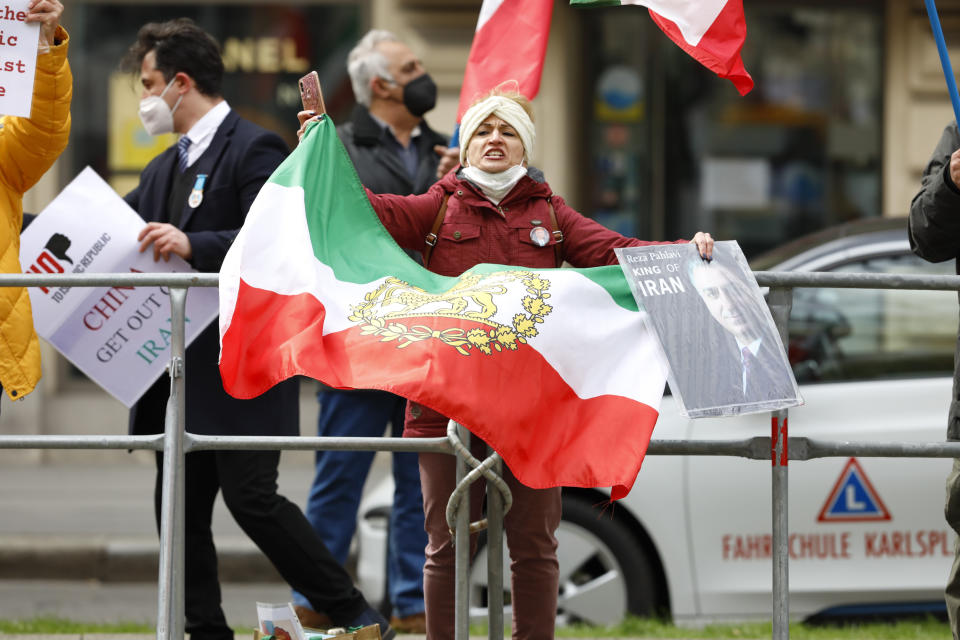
553	368
711	31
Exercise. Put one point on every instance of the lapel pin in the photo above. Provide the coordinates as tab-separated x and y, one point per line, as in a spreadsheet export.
540	236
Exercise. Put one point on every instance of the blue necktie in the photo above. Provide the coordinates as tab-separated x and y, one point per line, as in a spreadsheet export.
182	145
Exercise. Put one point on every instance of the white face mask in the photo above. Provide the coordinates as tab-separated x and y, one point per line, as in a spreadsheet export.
495	186
156	116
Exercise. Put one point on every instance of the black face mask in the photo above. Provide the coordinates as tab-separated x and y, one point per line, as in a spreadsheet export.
420	95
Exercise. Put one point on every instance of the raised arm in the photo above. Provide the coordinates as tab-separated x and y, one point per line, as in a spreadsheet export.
30	146
408	218
587	243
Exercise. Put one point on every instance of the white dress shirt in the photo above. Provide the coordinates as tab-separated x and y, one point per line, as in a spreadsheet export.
201	134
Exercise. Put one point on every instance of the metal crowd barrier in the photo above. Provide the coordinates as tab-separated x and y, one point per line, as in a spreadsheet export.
175	442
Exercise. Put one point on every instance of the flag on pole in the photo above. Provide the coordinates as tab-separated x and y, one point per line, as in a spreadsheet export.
509	44
554	368
711	31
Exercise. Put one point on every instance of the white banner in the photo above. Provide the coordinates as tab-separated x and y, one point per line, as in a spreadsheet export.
18	58
118	336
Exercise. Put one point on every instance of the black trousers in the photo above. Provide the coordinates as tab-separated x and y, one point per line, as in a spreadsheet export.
248	480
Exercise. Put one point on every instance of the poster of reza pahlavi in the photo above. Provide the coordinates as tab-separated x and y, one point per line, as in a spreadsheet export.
725	354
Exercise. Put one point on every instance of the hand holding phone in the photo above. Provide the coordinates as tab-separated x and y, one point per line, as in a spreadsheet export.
310	93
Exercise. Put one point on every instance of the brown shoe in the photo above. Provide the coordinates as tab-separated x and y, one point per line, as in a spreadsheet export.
416	623
311	619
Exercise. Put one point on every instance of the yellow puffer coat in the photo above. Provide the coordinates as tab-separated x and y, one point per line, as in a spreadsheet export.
28	147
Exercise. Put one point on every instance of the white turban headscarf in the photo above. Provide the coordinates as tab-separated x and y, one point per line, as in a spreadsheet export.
507	110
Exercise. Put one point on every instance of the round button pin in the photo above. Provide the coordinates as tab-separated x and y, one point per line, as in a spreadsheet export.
540	236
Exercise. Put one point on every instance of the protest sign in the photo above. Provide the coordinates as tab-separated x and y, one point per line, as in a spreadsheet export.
118	336
725	353
18	58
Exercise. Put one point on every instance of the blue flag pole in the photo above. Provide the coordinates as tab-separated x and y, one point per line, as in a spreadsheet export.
944	58
455	138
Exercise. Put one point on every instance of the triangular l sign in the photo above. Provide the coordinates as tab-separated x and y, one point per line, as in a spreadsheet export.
853	498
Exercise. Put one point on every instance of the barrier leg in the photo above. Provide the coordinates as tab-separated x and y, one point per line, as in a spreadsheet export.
781	557
462	543
458	519
495	556
170	605
780	300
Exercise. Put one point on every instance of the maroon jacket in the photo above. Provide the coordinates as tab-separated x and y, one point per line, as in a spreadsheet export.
475	230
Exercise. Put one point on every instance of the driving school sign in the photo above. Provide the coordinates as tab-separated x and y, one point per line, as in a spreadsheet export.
119	336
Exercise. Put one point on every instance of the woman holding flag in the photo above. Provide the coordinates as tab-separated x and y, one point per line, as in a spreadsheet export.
494	208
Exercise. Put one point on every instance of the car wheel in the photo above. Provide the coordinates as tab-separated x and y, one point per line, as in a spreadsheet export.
604	572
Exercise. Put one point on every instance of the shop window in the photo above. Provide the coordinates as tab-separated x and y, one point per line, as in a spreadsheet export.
673	148
266	48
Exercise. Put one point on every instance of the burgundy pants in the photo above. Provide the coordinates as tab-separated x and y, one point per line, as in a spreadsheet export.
529	527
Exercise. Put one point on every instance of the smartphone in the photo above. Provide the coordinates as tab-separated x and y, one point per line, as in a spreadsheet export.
310	93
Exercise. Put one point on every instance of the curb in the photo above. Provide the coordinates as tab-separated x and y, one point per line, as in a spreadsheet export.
118	560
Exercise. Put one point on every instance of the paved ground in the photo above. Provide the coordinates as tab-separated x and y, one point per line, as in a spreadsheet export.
84	521
93	601
79	541
135	636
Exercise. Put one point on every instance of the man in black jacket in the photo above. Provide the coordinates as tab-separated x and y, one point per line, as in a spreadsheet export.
194	197
394	151
934	230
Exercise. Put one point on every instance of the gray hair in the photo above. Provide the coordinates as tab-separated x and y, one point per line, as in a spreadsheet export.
366	62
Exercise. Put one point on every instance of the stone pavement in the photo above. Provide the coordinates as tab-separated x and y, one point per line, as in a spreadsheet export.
95	522
138	636
79	541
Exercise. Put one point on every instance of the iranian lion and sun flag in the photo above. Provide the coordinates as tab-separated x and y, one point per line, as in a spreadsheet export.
554	368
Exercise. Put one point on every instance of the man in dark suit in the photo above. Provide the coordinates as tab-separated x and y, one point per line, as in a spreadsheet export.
747	366
394	151
194	197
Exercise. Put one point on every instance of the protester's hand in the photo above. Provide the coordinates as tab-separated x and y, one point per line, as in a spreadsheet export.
47	13
955	168
304	117
449	158
704	242
166	239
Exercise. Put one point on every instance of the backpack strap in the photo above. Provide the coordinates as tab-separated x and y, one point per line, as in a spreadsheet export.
555	232
432	237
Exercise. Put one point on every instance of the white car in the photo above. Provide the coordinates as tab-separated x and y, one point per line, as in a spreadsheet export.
693	538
